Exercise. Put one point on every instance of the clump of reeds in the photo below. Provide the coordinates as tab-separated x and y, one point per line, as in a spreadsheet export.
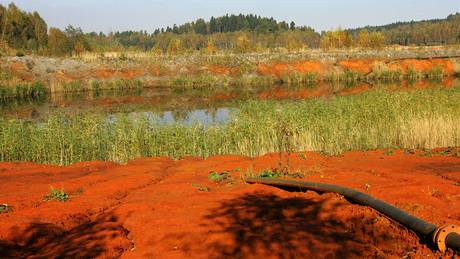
373	120
296	78
22	91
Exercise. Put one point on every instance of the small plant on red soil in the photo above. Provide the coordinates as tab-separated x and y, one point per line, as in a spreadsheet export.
433	191
4	208
457	184
201	188
427	153
219	176
388	152
286	133
409	151
449	152
302	156
274	173
58	195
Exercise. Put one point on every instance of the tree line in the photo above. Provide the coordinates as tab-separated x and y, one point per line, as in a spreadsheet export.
230	23
22	30
427	32
25	31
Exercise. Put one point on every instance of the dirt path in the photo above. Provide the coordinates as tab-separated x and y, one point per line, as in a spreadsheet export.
159	208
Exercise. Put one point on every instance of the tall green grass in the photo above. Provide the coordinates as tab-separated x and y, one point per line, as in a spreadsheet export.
21	91
373	120
96	85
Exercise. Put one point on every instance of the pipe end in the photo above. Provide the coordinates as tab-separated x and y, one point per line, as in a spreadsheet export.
441	233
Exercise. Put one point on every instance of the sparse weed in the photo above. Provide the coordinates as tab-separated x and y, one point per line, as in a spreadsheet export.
298	174
201	188
388	152
5	208
219	176
409	151
433	192
56	194
427	153
273	173
302	156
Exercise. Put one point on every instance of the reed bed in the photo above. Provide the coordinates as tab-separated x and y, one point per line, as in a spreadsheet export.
21	91
374	120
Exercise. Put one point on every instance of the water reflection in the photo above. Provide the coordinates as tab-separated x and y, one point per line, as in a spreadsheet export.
206	117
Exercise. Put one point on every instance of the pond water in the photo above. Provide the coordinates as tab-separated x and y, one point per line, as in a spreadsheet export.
187	107
206	117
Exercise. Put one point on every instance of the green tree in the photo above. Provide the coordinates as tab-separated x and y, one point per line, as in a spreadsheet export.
376	40
201	27
364	39
336	39
293	43
77	39
3	21
58	43
213	28
40	30
175	46
22	30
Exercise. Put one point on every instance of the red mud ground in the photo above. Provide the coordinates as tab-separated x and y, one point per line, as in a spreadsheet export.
153	208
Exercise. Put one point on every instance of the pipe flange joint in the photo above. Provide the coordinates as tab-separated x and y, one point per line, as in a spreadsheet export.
440	236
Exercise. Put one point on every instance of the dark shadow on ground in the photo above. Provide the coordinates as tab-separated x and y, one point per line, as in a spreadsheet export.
266	225
447	170
101	237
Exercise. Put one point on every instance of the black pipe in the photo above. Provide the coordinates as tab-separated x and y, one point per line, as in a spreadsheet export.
453	242
419	226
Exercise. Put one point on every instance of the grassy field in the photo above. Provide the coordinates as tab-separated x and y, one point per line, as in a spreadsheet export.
377	119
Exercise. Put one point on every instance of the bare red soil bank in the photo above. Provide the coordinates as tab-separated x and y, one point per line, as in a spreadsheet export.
159	208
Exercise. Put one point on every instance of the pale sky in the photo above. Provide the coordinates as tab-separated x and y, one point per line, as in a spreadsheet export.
119	15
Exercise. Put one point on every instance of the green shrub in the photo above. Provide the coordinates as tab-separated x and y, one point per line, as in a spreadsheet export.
270	174
219	176
57	195
4	208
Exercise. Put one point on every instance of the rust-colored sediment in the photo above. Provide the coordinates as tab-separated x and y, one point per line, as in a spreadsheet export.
223	70
280	69
119	74
153	208
321	68
362	66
